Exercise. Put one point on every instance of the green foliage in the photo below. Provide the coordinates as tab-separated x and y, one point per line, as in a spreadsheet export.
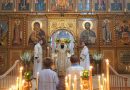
67	40
57	40
85	74
27	75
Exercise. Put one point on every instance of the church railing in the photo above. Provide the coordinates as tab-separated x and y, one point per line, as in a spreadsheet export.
10	76
117	81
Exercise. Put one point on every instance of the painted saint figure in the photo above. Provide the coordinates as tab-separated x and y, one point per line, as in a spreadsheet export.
100	5
53	4
23	5
80	5
106	31
40	5
7	5
37	34
84	5
116	5
88	36
87	4
17	33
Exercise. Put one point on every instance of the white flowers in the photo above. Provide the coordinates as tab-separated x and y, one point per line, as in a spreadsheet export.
26	56
97	56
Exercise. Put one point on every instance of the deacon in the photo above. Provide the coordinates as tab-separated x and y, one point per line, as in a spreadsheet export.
37	57
84	57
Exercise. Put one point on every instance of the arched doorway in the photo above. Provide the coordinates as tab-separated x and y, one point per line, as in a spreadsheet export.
61	34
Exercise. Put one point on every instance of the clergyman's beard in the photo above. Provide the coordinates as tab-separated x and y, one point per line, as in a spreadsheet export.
62	46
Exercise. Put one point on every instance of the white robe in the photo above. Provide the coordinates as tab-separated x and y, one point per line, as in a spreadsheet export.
85	61
48	80
37	53
63	61
75	70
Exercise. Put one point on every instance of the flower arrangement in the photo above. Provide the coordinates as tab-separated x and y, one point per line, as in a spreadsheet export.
57	40
26	57
65	40
85	74
27	75
97	56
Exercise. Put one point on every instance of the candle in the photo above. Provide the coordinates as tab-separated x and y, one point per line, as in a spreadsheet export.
81	82
66	79
48	51
66	86
69	85
101	87
99	82
81	87
37	80
104	86
75	82
102	79
17	83
13	87
20	79
23	81
73	86
107	74
90	78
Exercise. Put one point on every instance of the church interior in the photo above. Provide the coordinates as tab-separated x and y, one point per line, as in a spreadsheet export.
103	24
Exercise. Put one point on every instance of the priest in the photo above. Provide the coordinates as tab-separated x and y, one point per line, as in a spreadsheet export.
63	61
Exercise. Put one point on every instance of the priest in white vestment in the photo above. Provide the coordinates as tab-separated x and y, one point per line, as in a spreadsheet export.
84	57
48	79
63	61
75	69
37	58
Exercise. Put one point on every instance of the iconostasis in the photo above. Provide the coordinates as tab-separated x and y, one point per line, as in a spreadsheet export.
103	24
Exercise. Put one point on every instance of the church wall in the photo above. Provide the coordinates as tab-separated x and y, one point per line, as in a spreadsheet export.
23	24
